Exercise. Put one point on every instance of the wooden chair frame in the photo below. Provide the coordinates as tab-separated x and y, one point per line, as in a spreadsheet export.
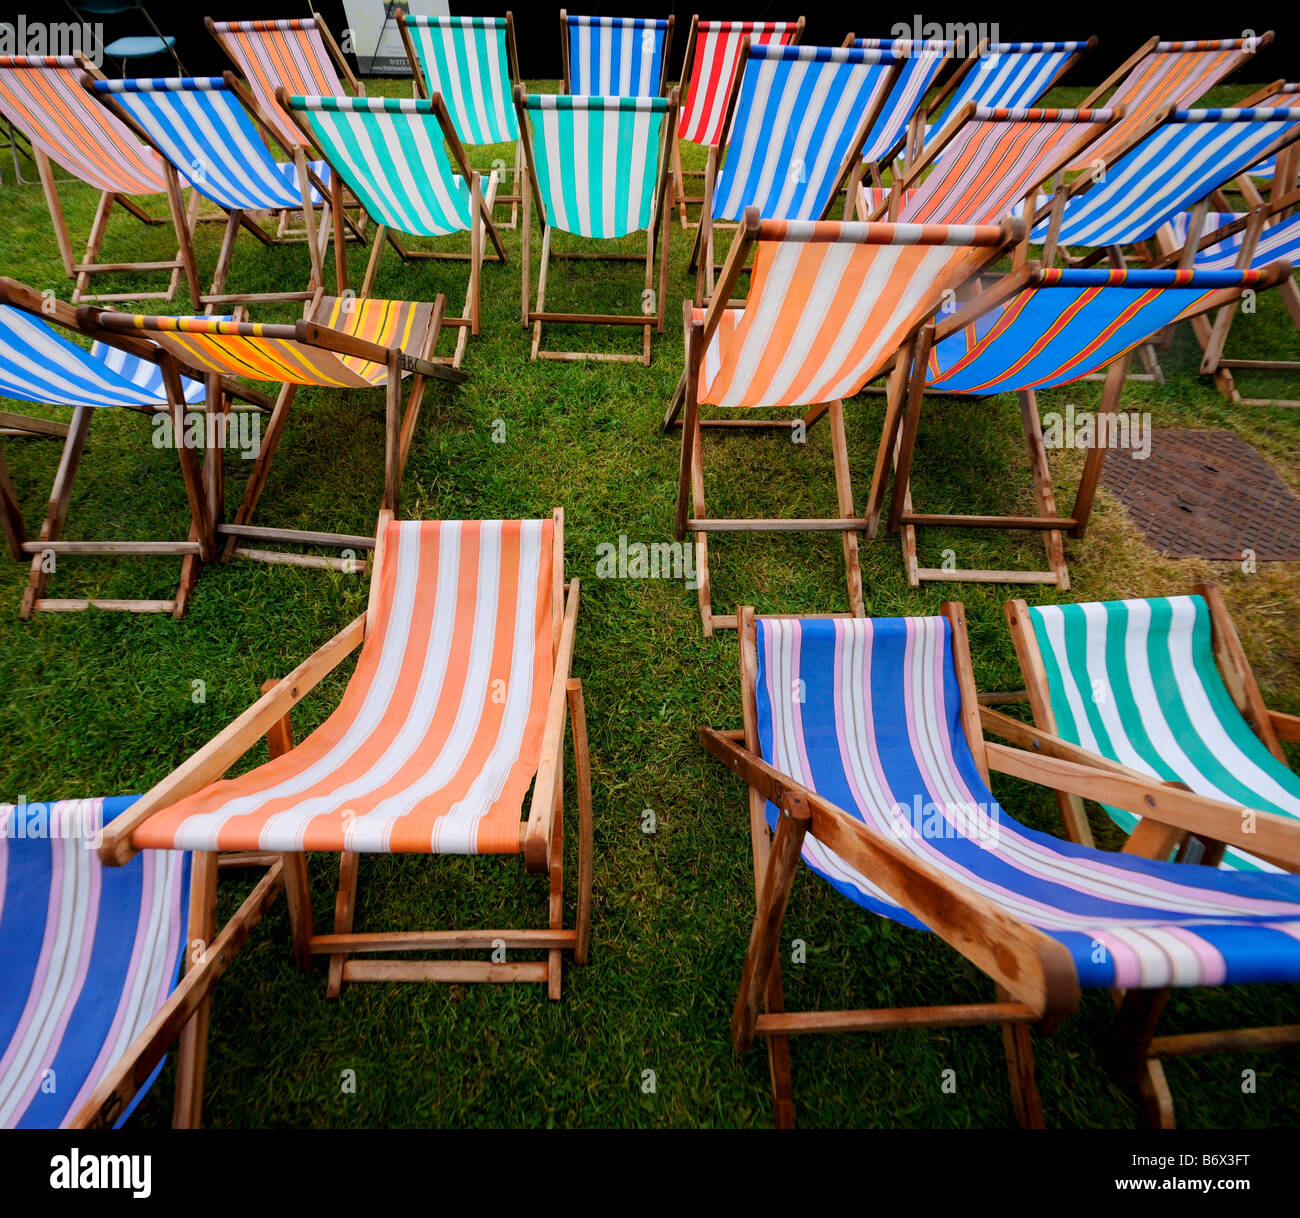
11	515
659	231
564	50
541	833
1034	977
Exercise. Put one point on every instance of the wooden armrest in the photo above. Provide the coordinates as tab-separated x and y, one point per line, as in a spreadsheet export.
1035	740
230	744
1285	727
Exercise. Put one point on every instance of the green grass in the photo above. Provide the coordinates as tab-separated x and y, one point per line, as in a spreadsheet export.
101	703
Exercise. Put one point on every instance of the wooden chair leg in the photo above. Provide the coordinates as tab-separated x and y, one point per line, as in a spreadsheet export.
555	957
57	512
345	908
586	861
778	1055
1135	1027
372	264
192	1051
896	392
1044	498
1018	1045
11	515
703	589
261	466
233	222
543	270
844	495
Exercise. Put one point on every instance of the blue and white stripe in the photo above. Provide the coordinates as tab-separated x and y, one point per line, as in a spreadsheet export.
616	56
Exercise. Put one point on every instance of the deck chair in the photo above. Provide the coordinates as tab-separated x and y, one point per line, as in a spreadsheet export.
93	993
473	64
796	123
343	343
712	56
1035	329
877	775
212	131
1161	686
389	152
830	305
11	515
598	167
39	364
45	101
1279	94
407	764
615	56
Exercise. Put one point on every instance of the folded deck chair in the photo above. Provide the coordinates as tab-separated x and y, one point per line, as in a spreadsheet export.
598	167
877	775
1161	686
615	56
389	152
212	130
457	705
345	342
92	993
43	98
830	305
796	123
712	56
473	64
1036	329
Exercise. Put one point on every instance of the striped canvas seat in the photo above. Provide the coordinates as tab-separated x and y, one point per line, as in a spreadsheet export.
289	55
202	128
799	113
1285	96
598	161
90	954
1182	160
437	738
921	64
1281	241
877	731
1136	681
615	56
45	100
714	60
465	60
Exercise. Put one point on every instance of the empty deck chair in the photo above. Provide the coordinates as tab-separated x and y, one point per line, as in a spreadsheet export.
44	99
877	775
473	65
615	56
1161	686
93	992
407	764
598	167
344	343
389	152
712	57
830	305
1037	329
211	129
796	125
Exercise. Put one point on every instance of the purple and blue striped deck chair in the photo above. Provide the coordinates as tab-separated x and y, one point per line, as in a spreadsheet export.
921	66
615	56
208	128
864	754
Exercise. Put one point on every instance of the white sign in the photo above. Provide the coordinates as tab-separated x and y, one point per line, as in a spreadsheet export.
374	36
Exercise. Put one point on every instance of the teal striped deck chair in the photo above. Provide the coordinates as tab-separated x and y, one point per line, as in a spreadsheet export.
390	153
598	168
473	64
1160	686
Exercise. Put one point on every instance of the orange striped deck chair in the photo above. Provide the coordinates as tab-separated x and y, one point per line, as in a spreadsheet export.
43	98
456	707
830	305
343	343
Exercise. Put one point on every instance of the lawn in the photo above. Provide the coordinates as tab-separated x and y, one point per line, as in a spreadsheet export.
100	703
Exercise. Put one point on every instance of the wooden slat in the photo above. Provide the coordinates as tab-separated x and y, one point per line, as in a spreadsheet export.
304	537
45	604
807	524
353	566
112	547
443	970
792	1023
1225	1040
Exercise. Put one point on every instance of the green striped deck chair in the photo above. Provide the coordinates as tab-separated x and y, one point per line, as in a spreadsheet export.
597	168
473	64
390	153
1160	686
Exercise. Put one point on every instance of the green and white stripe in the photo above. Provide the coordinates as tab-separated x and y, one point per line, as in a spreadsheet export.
1136	681
464	59
597	161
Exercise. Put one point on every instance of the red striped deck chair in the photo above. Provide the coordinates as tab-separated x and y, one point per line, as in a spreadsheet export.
456	707
712	58
344	343
830	305
878	777
43	98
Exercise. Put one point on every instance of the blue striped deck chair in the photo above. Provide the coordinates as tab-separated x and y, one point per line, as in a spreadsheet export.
1039	328
210	129
473	64
615	56
390	153
93	994
897	130
39	364
598	167
1161	686
864	756
797	123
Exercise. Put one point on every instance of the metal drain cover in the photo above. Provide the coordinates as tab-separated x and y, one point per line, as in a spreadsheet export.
1207	494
